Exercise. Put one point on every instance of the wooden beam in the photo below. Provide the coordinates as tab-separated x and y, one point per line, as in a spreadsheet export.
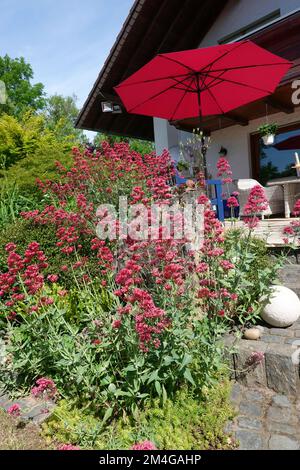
187	128
172	27
148	33
277	104
237	119
110	97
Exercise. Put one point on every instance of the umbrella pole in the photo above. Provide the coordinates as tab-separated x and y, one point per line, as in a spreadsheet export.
203	152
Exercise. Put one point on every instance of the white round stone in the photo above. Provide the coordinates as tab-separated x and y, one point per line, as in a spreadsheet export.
252	333
283	308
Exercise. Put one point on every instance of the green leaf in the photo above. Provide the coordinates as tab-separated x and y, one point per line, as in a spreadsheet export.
188	376
153	376
112	388
164	394
107	415
157	387
187	359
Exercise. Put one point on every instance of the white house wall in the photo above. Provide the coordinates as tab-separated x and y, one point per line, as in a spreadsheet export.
240	13
236	140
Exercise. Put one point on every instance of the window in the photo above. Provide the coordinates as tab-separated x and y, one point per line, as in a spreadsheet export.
277	160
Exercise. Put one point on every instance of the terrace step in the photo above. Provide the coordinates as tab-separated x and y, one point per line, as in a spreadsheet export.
279	369
289	276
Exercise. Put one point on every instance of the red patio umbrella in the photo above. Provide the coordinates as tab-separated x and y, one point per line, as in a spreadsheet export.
201	82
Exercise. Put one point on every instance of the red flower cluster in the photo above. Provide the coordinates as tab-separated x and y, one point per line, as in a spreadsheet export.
145	445
224	170
45	388
14	410
24	274
257	201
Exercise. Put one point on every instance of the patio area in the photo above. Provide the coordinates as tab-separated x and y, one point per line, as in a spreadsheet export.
269	230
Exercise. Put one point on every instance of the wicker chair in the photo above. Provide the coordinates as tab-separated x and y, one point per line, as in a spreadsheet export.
274	194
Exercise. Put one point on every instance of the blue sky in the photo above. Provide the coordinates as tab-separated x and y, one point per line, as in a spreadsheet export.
65	41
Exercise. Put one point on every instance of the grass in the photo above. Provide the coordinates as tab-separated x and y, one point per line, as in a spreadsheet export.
15	435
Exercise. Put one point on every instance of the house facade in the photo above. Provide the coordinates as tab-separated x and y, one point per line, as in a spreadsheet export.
155	26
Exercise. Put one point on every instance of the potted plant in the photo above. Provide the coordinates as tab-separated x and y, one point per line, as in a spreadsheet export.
268	132
183	167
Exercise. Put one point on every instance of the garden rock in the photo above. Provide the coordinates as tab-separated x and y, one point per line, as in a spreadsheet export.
252	333
283	308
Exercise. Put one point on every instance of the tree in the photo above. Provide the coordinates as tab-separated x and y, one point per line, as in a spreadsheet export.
29	150
61	112
21	93
142	146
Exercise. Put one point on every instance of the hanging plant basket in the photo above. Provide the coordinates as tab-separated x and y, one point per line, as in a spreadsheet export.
268	139
268	132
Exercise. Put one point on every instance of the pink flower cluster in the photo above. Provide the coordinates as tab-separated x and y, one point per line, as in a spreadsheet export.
224	170
144	445
257	203
45	388
24	274
255	358
291	233
68	447
14	410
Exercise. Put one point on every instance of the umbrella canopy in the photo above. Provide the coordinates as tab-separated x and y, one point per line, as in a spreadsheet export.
292	143
202	82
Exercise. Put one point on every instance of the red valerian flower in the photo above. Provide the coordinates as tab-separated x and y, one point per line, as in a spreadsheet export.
257	202
232	202
116	324
224	170
45	388
14	410
296	210
145	445
68	447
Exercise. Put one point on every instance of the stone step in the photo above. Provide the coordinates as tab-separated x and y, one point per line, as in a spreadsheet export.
289	276
279	367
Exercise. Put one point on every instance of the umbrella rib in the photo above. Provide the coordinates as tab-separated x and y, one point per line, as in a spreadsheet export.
228	69
223	55
236	83
188	87
215	100
181	99
150	80
177	62
213	96
153	96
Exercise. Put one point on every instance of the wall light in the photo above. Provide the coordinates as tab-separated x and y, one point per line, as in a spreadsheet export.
110	107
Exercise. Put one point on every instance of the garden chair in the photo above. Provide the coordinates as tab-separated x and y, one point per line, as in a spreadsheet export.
274	195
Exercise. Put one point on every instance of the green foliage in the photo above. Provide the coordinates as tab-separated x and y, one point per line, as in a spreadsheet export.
255	270
22	232
21	93
268	129
184	423
61	113
29	150
11	204
113	373
141	146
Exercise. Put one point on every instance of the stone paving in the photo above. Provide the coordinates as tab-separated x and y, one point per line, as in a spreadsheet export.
32	409
267	396
265	420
